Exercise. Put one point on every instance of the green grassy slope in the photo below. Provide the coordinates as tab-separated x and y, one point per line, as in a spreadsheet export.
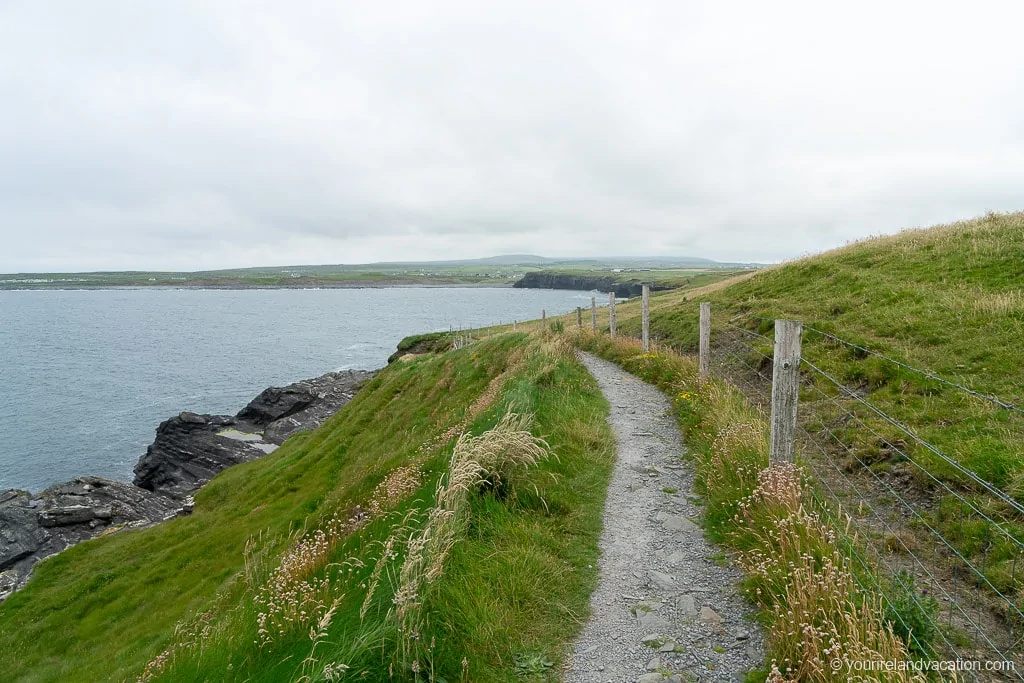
947	299
516	584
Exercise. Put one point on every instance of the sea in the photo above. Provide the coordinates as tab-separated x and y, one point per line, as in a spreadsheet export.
87	375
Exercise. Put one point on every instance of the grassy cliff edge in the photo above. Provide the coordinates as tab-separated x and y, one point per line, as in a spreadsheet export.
270	578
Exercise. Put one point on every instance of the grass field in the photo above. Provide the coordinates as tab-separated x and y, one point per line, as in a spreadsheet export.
948	299
182	601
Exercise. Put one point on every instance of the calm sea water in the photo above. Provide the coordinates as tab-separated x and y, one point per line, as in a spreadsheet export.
86	376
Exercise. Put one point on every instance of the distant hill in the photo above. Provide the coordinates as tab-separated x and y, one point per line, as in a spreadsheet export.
492	270
515	260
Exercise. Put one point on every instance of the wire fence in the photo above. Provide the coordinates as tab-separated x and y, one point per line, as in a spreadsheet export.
938	542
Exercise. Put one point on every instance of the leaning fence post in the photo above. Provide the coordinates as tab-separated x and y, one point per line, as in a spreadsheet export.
611	314
785	389
645	317
544	320
579	317
593	313
705	341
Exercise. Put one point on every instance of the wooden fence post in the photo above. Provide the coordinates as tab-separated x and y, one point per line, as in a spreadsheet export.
705	341
785	389
513	325
544	320
645	318
579	317
593	313
611	314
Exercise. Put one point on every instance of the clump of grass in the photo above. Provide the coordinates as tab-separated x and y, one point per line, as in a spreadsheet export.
531	665
797	570
493	458
187	636
295	596
912	616
399	484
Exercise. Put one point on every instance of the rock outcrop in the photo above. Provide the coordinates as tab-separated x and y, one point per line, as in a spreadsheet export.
188	451
602	283
36	526
302	406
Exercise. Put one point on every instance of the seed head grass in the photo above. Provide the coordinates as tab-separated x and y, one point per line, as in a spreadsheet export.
495	458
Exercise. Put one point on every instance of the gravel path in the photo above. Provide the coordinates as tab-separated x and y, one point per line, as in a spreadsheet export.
664	609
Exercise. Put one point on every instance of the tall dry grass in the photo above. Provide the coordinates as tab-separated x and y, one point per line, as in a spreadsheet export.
821	620
295	596
493	458
298	595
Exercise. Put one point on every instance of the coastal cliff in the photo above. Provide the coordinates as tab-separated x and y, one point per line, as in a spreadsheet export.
188	451
602	283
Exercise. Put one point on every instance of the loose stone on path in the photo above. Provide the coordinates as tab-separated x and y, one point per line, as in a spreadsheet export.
662	610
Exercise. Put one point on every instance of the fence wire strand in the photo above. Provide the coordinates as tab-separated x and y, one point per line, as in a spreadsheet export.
863	498
757	383
989	488
995	400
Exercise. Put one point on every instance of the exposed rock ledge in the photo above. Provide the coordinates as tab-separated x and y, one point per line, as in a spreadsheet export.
188	451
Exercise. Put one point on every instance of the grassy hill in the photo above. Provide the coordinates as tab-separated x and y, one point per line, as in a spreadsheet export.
295	563
948	299
923	480
492	271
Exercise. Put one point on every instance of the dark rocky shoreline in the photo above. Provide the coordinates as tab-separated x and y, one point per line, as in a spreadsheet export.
188	451
601	283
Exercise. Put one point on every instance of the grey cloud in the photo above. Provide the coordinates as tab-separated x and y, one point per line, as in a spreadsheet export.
195	134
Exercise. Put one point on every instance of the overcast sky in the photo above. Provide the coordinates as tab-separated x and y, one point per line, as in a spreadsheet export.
197	134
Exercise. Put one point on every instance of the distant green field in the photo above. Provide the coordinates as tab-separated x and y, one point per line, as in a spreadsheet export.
499	271
306	276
